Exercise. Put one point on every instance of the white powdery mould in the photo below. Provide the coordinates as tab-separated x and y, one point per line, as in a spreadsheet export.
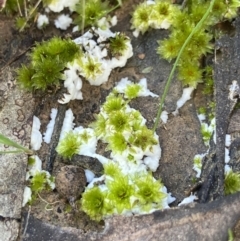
125	82
63	21
188	200
42	21
67	123
88	147
50	126
94	64
153	155
107	22
197	163
164	116
36	136
89	175
227	157
58	5
227	169
122	60
95	53
144	90
201	117
35	168
233	90
73	83
186	95
227	140
27	196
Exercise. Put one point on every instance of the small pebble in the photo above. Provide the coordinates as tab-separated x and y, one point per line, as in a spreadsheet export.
70	182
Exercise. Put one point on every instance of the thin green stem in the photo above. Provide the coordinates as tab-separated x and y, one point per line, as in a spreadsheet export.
112	9
197	27
6	141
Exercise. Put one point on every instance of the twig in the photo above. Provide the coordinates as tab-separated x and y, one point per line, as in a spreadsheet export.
25	8
30	14
27	219
48	209
19	9
14	59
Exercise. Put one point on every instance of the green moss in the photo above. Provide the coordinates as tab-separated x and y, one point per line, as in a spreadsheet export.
11	6
48	60
119	121
84	137
120	191
183	22
112	169
141	17
206	133
31	161
90	11
91	68
143	138
118	44
148	191
208	81
198	162
113	103
94	203
69	145
232	182
132	91
116	143
99	125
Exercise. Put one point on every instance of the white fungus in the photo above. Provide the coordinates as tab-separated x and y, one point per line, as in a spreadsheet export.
227	140
188	200
227	169
59	5
125	82
87	148
197	163
50	182
114	20
36	136
56	6
153	155
89	175
67	123
164	116
144	90
201	117
35	168
75	29
186	95
227	157
42	21
165	24
73	83
27	195
50	126
233	90
63	21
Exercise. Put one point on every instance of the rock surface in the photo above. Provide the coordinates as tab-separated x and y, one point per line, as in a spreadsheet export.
200	222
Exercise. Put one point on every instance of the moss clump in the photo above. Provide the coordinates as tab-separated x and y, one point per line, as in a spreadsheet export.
48	60
232	182
69	145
